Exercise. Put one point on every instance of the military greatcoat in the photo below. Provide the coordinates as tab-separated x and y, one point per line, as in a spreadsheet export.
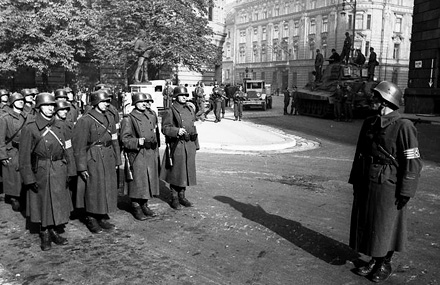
46	159
387	164
10	124
144	160
96	149
183	152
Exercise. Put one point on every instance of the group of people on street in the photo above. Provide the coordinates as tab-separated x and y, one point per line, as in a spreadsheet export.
343	103
291	98
358	59
56	160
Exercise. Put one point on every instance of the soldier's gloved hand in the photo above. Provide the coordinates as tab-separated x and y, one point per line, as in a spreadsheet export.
84	174
181	132
401	201
33	187
141	141
5	162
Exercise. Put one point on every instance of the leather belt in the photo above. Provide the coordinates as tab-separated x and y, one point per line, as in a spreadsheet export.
189	137
104	144
149	145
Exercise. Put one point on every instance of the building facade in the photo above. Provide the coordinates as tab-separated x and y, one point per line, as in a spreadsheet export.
276	40
423	92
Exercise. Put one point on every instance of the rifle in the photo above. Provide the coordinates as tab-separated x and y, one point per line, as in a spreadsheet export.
127	168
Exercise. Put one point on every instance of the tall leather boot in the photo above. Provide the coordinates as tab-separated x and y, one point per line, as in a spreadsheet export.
57	238
182	199
45	240
137	212
175	200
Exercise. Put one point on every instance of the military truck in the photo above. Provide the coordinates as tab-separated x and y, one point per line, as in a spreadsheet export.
316	99
258	94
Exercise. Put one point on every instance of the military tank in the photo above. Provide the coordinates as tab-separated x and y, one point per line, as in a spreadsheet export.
316	98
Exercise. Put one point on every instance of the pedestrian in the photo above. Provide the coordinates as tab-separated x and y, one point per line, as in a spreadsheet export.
222	93
319	61
179	166
97	155
199	93
167	94
217	102
141	141
238	97
294	103
346	48
287	98
360	58
372	63
11	124
45	160
349	100
385	175
337	105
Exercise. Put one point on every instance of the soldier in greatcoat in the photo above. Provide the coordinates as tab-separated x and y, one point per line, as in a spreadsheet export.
4	100
45	160
11	124
238	97
167	94
140	138
97	154
385	175
179	164
74	111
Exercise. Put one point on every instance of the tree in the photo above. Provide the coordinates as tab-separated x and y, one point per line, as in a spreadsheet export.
178	32
42	33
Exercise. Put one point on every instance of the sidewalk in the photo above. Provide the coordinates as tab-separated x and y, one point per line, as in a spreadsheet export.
239	137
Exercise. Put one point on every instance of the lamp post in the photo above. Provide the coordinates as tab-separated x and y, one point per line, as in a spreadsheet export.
352	5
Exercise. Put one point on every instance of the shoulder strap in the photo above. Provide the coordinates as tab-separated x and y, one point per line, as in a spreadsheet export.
16	133
99	123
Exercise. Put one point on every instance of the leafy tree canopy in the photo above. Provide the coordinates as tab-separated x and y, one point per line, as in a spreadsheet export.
45	33
42	33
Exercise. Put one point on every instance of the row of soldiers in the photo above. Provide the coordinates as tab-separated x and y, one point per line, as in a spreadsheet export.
61	161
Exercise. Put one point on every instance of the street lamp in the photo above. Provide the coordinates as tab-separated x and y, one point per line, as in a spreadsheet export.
352	5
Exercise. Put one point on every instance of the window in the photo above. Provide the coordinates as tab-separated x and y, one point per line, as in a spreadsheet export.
242	53
350	22
297	7
398	25
263	52
276	11
276	31
286	9
276	49
264	33
264	15
255	31
228	74
396	51
229	34
296	28
228	50
367	49
312	52
295	52
256	16
312	26
263	75
286	29
359	21
313	4
324	24
368	22
255	50
242	36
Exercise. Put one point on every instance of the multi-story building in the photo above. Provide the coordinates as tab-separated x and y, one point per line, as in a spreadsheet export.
423	93
276	40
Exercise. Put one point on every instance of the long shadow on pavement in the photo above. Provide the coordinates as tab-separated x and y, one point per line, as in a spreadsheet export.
318	245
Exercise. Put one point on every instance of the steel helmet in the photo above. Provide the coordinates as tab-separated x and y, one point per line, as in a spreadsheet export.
60	93
33	91
61	105
389	92
140	97
180	90
44	99
98	96
14	97
26	92
109	91
4	92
